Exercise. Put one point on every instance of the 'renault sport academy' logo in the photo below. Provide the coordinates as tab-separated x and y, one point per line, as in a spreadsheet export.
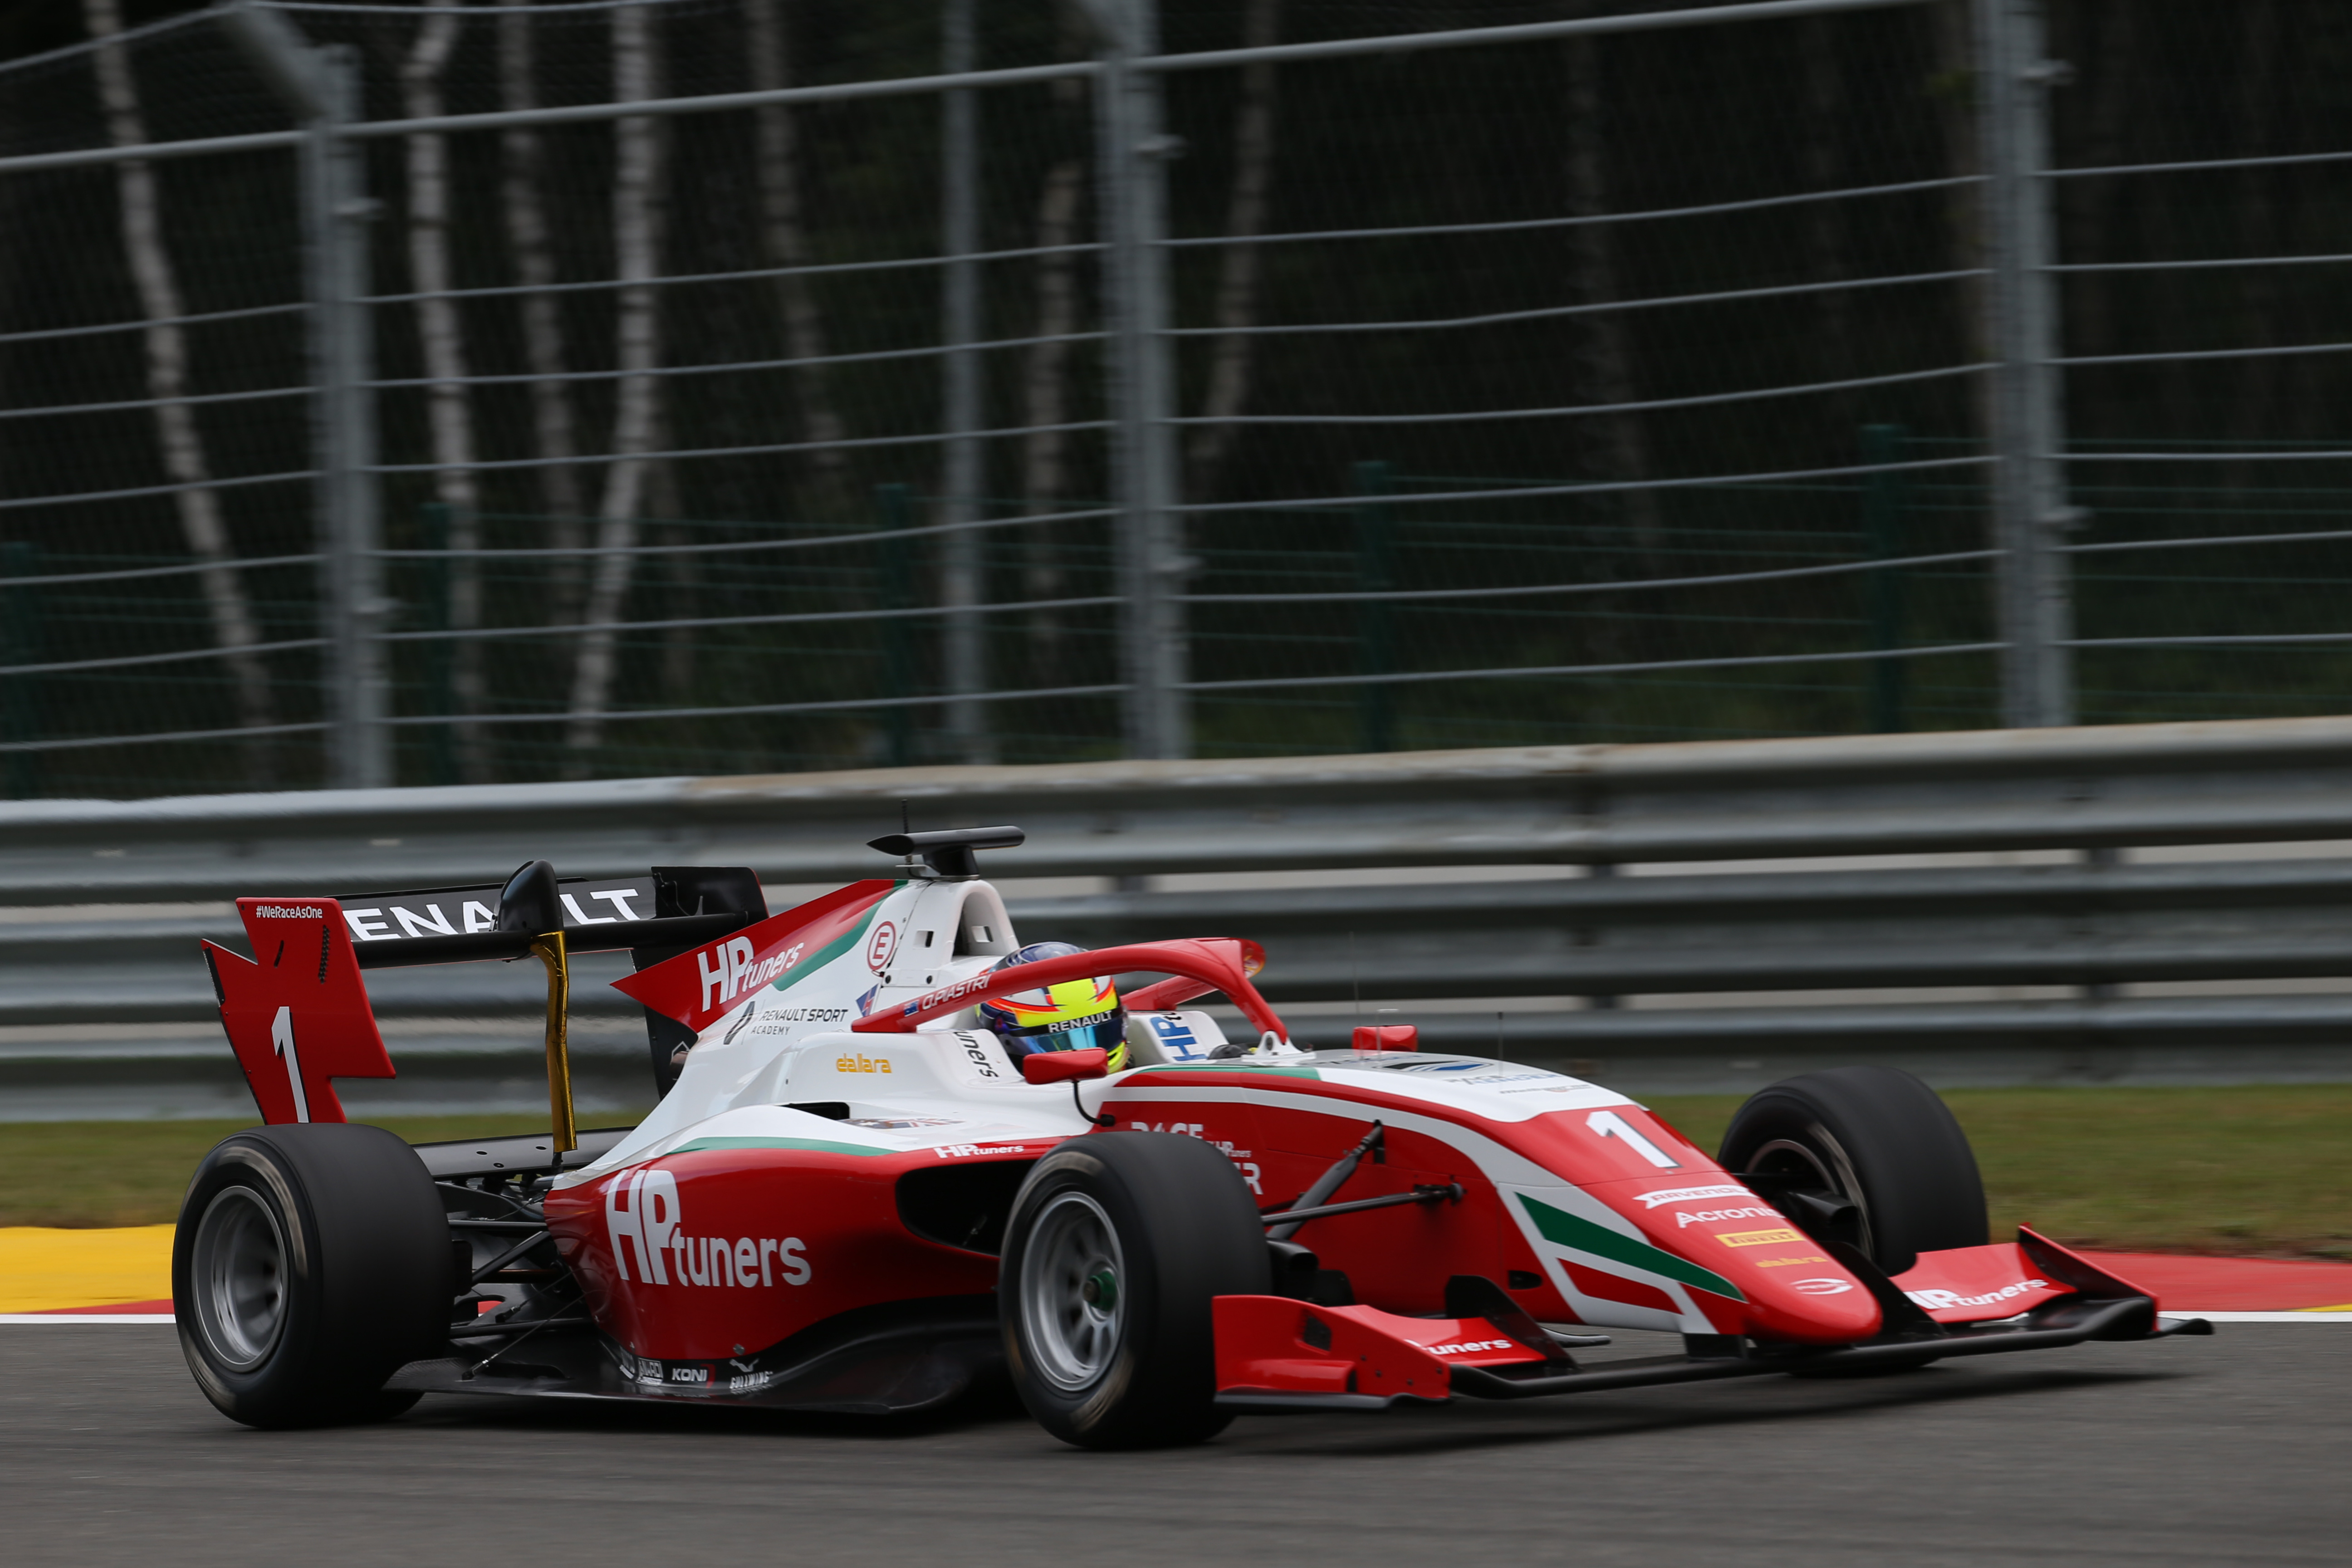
642	1218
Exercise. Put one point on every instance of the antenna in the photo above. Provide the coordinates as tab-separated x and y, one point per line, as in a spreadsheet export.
1355	977
904	826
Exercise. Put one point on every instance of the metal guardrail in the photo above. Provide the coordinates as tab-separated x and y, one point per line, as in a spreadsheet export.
1797	917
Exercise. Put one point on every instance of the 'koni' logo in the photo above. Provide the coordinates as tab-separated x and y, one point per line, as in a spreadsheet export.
640	1215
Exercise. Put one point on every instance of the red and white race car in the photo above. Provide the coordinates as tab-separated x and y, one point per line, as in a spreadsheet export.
855	1198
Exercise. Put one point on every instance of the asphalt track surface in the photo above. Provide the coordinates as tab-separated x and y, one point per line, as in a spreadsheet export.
2232	1448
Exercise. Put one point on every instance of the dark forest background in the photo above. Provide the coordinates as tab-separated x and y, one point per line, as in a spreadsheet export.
1490	135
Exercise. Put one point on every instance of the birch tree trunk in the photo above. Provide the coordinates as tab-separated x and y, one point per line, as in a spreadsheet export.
202	525
441	333
1955	92
784	236
522	193
2260	95
1616	445
1045	451
1239	267
1825	221
637	159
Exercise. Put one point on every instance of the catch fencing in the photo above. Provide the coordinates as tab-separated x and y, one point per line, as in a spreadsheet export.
2160	903
401	393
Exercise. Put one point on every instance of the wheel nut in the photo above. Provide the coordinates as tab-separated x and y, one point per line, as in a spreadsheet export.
1100	1291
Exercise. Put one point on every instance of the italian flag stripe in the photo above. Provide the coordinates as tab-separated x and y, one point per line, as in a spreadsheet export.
1584	1236
836	947
810	1145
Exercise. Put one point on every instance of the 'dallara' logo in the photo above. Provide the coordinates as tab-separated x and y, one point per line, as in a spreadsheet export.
643	1221
849	1061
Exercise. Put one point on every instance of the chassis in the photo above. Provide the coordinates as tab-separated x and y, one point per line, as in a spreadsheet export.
851	1199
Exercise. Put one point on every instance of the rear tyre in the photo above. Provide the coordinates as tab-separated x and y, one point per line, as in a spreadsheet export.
1878	1138
311	1262
1116	1247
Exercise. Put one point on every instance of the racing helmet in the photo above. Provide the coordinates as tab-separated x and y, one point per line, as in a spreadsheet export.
1074	1016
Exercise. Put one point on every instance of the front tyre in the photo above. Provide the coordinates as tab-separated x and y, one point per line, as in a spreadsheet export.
1117	1244
1876	1137
310	1261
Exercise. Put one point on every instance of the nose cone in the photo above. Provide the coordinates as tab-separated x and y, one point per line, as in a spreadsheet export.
1792	1291
1821	1305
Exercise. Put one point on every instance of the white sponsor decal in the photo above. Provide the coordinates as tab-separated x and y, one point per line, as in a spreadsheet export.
966	1150
1704	1217
288	912
1939	1300
432	917
1821	1287
1692	1194
641	1215
1175	1036
618	898
977	1053
1467	1346
727	970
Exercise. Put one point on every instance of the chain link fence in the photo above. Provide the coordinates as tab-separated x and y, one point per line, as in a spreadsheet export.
423	393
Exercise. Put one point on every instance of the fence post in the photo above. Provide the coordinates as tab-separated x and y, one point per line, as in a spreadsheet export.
20	643
2027	429
1131	153
962	579
1884	496
1376	707
337	218
320	88
897	655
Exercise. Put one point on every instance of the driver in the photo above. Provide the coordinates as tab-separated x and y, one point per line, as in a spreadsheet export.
1071	1016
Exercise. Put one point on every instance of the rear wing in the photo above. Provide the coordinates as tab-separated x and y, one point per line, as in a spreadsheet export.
297	1012
671	907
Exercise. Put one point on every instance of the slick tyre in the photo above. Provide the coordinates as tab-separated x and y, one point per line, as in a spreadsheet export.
310	1261
1116	1247
1878	1138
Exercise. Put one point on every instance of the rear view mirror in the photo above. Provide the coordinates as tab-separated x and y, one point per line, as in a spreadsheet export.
1066	1066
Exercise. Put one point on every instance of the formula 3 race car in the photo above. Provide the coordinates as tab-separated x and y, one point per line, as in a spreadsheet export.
854	1197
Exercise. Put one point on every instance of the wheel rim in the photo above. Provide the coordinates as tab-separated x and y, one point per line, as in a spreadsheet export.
1073	1292
237	1269
1819	1157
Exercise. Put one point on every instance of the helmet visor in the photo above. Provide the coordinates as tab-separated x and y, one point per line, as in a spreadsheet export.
1107	1030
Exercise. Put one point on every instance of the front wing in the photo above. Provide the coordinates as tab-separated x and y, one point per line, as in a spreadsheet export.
1278	1353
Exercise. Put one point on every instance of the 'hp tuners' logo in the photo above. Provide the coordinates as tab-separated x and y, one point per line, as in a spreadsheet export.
640	1215
1175	1037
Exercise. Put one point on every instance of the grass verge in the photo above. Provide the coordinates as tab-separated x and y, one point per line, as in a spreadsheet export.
88	1173
2250	1169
